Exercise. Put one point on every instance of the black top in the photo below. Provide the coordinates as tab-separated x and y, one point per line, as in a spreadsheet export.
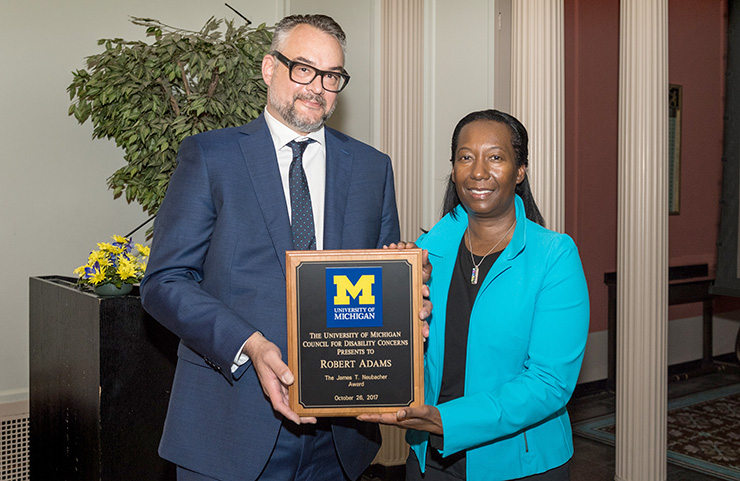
460	300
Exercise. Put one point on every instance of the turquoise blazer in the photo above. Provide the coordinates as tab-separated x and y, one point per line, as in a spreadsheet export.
528	330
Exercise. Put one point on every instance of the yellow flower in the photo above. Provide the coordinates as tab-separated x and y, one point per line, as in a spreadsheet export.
126	268
114	263
108	247
143	250
98	256
98	276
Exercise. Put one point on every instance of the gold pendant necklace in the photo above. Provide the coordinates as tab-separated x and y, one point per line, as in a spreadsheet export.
476	270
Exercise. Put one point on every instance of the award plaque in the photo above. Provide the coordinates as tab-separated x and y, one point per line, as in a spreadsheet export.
354	334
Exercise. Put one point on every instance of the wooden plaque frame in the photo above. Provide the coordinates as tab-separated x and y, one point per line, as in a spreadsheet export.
354	335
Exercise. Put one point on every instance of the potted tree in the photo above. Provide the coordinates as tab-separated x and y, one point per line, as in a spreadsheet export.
148	97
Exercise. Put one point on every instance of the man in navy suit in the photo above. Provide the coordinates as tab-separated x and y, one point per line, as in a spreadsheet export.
216	276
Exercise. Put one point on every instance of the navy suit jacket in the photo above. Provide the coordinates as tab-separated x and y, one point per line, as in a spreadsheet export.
217	274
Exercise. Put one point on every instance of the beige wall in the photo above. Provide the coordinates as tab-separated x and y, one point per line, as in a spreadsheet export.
358	109
461	76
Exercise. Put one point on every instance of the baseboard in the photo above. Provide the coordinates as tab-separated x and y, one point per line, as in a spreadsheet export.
684	344
676	372
13	395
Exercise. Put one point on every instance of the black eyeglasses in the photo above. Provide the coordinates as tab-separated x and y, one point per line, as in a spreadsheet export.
303	74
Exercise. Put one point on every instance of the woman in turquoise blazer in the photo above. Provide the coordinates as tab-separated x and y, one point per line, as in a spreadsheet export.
509	323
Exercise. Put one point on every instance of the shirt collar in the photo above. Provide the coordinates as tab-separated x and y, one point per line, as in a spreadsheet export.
282	134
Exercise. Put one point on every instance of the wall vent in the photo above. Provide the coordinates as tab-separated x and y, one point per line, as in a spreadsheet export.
14	451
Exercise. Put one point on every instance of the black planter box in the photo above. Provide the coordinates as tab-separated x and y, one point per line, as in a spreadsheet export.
100	375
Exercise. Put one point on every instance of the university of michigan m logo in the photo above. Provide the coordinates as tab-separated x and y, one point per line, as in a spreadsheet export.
354	296
346	289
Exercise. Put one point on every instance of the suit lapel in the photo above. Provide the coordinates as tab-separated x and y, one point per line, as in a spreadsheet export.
258	151
339	161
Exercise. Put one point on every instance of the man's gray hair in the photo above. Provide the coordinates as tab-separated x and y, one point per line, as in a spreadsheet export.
323	23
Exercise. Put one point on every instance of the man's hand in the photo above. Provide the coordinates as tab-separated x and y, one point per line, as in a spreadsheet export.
424	418
426	275
274	375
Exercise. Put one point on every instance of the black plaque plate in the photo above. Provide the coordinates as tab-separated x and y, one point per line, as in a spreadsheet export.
354	336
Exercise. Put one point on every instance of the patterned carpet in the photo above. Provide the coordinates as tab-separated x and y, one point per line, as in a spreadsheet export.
703	431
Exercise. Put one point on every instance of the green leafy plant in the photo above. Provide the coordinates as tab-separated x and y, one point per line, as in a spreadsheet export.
148	97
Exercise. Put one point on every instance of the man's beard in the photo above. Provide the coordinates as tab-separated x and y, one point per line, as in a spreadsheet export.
300	123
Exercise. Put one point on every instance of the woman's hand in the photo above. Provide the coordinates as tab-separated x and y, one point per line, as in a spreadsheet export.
424	418
426	267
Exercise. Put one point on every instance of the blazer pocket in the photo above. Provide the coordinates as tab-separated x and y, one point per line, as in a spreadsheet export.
528	454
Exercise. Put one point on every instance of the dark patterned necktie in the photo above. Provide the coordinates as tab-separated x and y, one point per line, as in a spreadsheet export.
304	237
